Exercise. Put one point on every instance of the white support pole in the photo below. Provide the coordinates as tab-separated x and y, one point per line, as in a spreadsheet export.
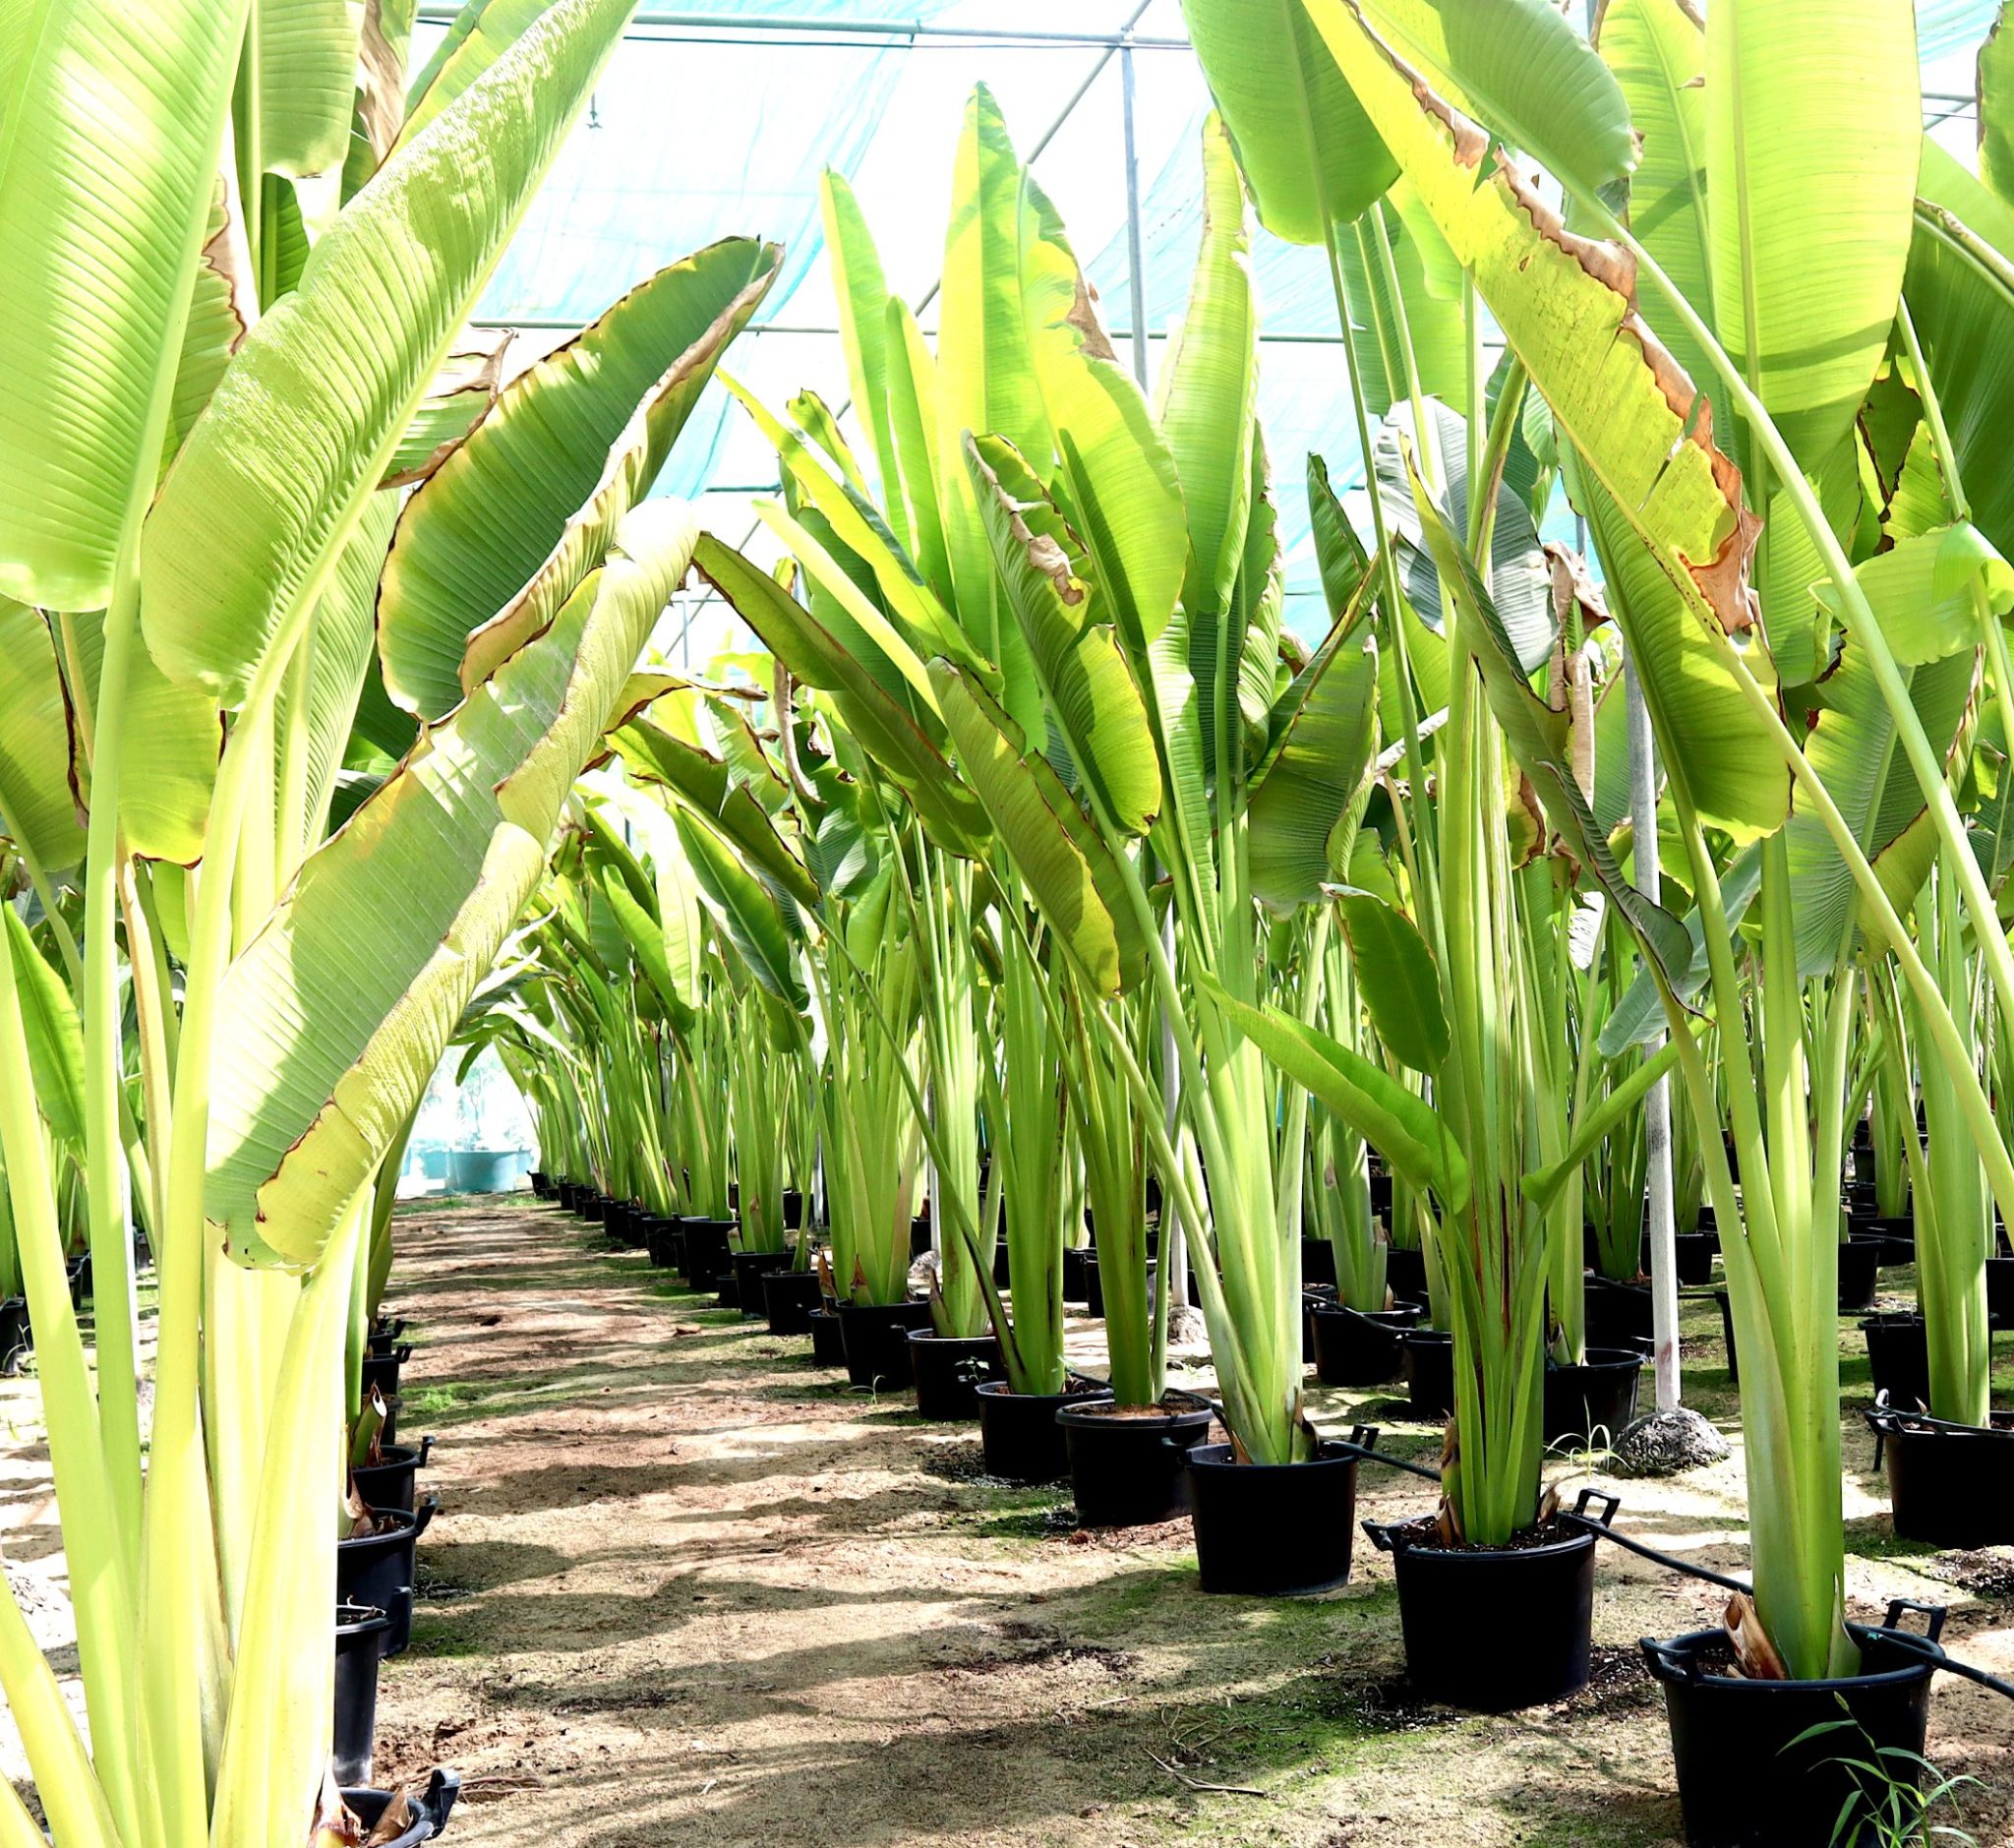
1657	1110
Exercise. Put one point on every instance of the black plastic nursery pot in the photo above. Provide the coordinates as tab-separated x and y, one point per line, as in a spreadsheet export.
541	1185
1618	1314
919	1236
1273	1529
1076	1283
1693	1256
1129	1463
1318	1262
383	1335
787	1298
360	1633
591	1206
708	1255
793	1209
1860	1262
1492	1629
1594	1399
17	1339
828	1341
378	1570
621	1224
948	1371
1899	1356
665	1240
1747	1777
1359	1347
431	1809
392	1482
2000	1289
1896	1237
381	1371
1019	1435
876	1336
1948	1484
567	1192
79	1274
1429	1372
1405	1273
751	1268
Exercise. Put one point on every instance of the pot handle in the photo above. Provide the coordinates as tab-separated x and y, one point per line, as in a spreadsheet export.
1610	1504
1667	1663
423	1516
1934	1616
402	1353
425	1449
442	1790
1380	1536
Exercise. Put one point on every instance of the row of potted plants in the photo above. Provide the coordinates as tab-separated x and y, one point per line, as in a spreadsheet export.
1060	847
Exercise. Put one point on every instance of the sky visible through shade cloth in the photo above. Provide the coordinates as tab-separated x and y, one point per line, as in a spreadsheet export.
699	132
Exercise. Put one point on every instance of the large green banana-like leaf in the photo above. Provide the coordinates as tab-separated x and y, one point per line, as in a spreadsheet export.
499	509
987	381
379	112
1520	582
55	1036
1088	687
913	413
1920	590
861	290
455	404
1522	69
37	806
1398	979
1060	856
1308	155
1119	477
275	474
1996	96
307	82
1421	322
1567	306
926	625
111	114
338	644
223	304
1548	746
338	1008
1207	385
647	944
758	926
1813	123
1852	745
881	728
1736	776
1657	49
707	786
481	34
1315	772
1960	288
173	729
1410	1134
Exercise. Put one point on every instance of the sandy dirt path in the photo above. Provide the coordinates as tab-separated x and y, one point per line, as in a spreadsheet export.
686	1588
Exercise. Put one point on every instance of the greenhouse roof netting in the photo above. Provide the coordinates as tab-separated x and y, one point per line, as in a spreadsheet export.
716	122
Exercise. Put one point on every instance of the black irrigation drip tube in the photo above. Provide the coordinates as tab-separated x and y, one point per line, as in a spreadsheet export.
1362	1442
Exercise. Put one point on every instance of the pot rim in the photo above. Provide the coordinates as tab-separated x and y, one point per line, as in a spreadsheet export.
1163	1418
1620	1360
1334	1455
970	1341
1000	1389
1675	1662
1385	1536
1892	1421
1411	1313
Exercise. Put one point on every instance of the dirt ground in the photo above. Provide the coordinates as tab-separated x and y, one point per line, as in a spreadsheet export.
684	1588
